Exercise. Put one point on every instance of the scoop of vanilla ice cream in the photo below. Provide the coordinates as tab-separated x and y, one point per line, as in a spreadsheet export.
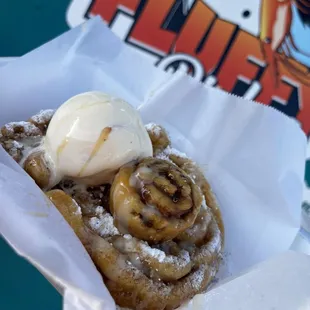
92	135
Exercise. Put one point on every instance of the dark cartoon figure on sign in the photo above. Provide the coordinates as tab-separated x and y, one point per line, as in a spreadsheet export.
285	28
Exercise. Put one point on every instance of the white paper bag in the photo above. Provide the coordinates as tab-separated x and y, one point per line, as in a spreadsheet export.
252	155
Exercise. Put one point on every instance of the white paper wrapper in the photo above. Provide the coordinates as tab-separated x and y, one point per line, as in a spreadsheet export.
281	283
5	60
253	156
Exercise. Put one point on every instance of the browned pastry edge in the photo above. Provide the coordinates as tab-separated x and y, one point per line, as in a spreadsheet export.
159	138
154	200
42	120
37	168
196	174
12	134
129	286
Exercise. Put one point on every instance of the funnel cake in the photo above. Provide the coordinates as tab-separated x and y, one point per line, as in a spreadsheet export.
139	275
155	233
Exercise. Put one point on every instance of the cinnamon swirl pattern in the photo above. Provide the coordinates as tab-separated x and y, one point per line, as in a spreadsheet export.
154	200
141	276
155	233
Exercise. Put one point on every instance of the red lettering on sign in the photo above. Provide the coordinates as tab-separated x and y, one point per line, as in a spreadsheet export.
214	48
200	20
147	30
107	8
237	63
269	90
194	28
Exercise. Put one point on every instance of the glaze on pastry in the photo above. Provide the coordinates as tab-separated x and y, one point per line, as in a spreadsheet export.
154	200
154	231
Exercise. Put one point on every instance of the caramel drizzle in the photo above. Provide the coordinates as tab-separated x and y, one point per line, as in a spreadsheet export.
62	147
65	142
100	141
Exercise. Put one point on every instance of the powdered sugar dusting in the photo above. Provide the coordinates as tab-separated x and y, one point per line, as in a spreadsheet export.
17	145
156	253
170	151
213	246
43	116
127	237
167	152
181	260
204	220
14	146
28	128
204	203
99	210
103	224
198	277
154	128
14	149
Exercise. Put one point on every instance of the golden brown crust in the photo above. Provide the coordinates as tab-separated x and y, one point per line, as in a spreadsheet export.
196	234
88	197
196	174
12	136
13	148
69	210
130	283
42	120
37	168
20	130
154	200
159	138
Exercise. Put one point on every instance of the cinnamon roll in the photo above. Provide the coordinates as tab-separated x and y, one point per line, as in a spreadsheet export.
154	200
191	168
